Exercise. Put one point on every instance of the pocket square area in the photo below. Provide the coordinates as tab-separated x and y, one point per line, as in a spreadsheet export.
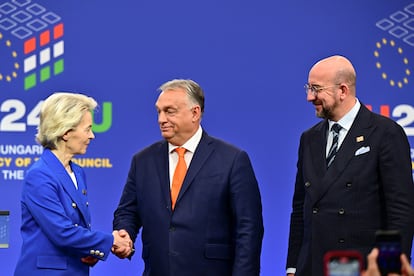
362	150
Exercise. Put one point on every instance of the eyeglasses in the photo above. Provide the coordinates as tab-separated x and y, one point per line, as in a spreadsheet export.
316	89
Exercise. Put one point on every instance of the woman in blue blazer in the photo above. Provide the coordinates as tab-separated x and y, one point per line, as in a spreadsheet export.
56	230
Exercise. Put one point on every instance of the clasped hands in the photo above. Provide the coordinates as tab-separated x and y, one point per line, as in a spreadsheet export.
123	246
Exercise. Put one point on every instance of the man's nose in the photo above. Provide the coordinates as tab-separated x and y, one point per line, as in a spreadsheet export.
161	117
310	96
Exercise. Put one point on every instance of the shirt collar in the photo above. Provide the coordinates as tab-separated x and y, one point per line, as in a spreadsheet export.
191	144
347	120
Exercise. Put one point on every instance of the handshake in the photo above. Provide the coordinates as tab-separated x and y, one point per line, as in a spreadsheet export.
123	246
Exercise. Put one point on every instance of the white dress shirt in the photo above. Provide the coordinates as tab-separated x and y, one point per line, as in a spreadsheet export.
346	123
190	146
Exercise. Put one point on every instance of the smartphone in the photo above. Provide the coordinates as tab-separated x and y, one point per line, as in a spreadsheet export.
343	263
4	229
389	244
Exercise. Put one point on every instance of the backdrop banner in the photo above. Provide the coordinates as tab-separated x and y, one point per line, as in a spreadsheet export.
251	58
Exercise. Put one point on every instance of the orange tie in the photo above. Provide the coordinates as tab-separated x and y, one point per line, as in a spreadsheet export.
179	175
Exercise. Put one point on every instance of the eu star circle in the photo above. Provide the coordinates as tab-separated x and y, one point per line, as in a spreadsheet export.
10	74
389	74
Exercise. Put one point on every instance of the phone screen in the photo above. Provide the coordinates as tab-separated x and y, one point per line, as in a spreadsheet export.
389	245
4	229
343	263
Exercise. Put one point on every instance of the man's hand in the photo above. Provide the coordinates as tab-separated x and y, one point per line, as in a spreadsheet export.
372	267
122	246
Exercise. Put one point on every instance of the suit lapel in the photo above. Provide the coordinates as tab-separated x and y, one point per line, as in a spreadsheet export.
67	183
203	151
161	163
80	195
361	127
318	149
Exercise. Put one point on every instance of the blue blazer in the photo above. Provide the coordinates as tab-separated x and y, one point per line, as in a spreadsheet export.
216	227
368	187
56	229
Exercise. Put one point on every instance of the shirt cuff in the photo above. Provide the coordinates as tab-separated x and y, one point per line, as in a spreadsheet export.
291	270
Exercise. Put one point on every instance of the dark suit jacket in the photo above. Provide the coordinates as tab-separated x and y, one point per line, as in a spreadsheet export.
342	207
56	228
216	227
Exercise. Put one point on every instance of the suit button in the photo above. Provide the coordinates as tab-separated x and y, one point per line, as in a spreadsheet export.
172	229
307	184
101	254
74	205
92	252
341	240
348	185
315	210
341	211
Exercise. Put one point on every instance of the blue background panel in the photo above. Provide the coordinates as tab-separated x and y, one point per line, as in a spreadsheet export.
251	58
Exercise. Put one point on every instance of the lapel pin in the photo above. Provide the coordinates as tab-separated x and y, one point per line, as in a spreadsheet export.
360	138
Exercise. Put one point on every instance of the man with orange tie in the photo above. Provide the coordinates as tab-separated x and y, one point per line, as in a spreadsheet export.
195	197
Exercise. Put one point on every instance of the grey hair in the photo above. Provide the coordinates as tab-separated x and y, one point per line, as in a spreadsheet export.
194	92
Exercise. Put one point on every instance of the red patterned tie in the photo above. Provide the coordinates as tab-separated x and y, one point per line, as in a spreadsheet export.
179	175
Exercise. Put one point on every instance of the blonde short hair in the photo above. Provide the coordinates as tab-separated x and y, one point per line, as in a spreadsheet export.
60	113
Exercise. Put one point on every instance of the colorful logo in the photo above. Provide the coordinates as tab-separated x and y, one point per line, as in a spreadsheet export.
31	43
399	32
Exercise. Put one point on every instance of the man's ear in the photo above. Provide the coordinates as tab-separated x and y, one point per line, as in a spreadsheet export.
344	90
196	112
